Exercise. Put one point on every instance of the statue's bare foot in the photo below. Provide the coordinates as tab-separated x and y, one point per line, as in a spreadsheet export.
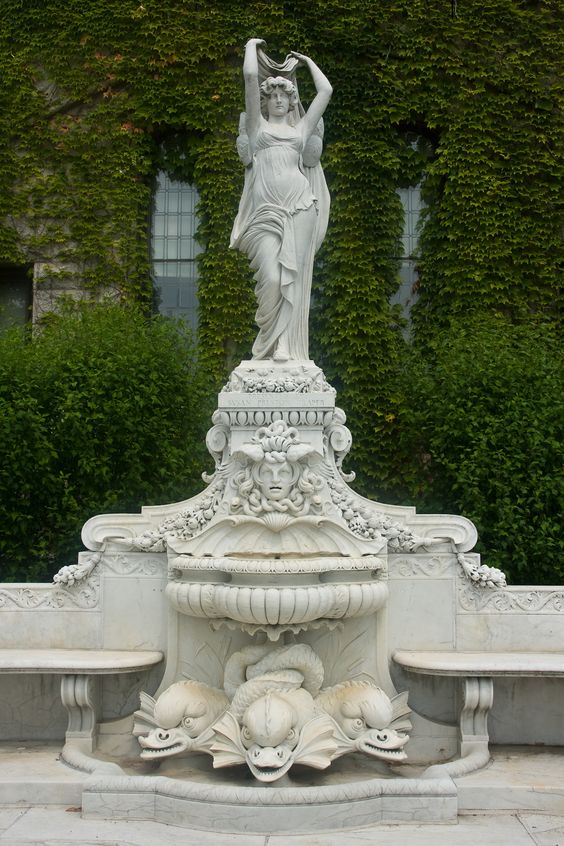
281	353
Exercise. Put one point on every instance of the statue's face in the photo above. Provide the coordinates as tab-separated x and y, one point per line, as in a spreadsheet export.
278	102
275	480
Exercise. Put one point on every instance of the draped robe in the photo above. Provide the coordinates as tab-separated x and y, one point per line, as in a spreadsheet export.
281	222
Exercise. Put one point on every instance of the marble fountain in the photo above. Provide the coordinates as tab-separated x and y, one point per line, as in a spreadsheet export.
279	653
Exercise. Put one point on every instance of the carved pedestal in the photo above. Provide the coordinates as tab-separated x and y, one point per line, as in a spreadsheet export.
278	547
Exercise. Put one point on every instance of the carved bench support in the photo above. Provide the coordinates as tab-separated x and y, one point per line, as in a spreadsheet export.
79	695
474	738
478	699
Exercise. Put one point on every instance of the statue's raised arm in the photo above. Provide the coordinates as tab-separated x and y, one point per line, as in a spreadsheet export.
284	208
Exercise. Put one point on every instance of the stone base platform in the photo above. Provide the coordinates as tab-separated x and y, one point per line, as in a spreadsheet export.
518	778
231	804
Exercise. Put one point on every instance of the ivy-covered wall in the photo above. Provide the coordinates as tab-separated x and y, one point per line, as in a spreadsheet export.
96	95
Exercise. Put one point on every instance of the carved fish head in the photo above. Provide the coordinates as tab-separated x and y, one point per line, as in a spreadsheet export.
365	715
162	743
268	763
181	715
364	708
269	722
386	744
189	706
269	733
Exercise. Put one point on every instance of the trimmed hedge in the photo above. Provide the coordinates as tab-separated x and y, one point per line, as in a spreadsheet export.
481	434
103	410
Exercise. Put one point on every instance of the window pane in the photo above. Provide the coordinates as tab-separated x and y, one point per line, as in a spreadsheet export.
412	205
15	295
174	248
406	293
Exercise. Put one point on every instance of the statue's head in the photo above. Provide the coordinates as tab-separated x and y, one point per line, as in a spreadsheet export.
278	96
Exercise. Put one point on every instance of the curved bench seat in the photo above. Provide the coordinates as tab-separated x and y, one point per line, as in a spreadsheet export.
477	671
80	669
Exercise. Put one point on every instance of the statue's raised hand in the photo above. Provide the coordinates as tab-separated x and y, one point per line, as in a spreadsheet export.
303	60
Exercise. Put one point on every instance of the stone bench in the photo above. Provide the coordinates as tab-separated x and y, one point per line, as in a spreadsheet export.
80	669
477	671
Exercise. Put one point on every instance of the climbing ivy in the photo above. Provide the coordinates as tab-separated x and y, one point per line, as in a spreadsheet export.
96	96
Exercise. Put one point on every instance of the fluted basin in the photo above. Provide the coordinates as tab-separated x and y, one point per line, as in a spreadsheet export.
277	592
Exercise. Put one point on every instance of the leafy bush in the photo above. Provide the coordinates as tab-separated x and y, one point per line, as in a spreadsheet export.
484	436
101	410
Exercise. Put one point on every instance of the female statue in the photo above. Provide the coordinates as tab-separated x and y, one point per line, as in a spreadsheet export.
284	208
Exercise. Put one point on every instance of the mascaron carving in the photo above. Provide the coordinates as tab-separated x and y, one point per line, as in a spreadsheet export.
277	476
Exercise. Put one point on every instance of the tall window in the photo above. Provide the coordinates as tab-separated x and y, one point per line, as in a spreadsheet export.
412	205
15	295
174	249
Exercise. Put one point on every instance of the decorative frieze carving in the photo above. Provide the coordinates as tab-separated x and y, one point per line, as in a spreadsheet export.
253	418
440	566
132	565
510	601
118	564
80	597
371	564
421	566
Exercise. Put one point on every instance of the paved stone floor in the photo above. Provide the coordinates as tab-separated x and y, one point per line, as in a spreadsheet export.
53	825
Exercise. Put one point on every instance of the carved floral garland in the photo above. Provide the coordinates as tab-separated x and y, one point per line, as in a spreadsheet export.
481	574
269	381
367	523
186	523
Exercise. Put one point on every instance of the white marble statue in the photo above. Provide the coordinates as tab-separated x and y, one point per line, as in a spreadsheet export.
284	208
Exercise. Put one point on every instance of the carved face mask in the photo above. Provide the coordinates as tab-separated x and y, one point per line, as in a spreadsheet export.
276	479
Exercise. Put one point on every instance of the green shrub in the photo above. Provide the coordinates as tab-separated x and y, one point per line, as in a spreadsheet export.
484	438
101	410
